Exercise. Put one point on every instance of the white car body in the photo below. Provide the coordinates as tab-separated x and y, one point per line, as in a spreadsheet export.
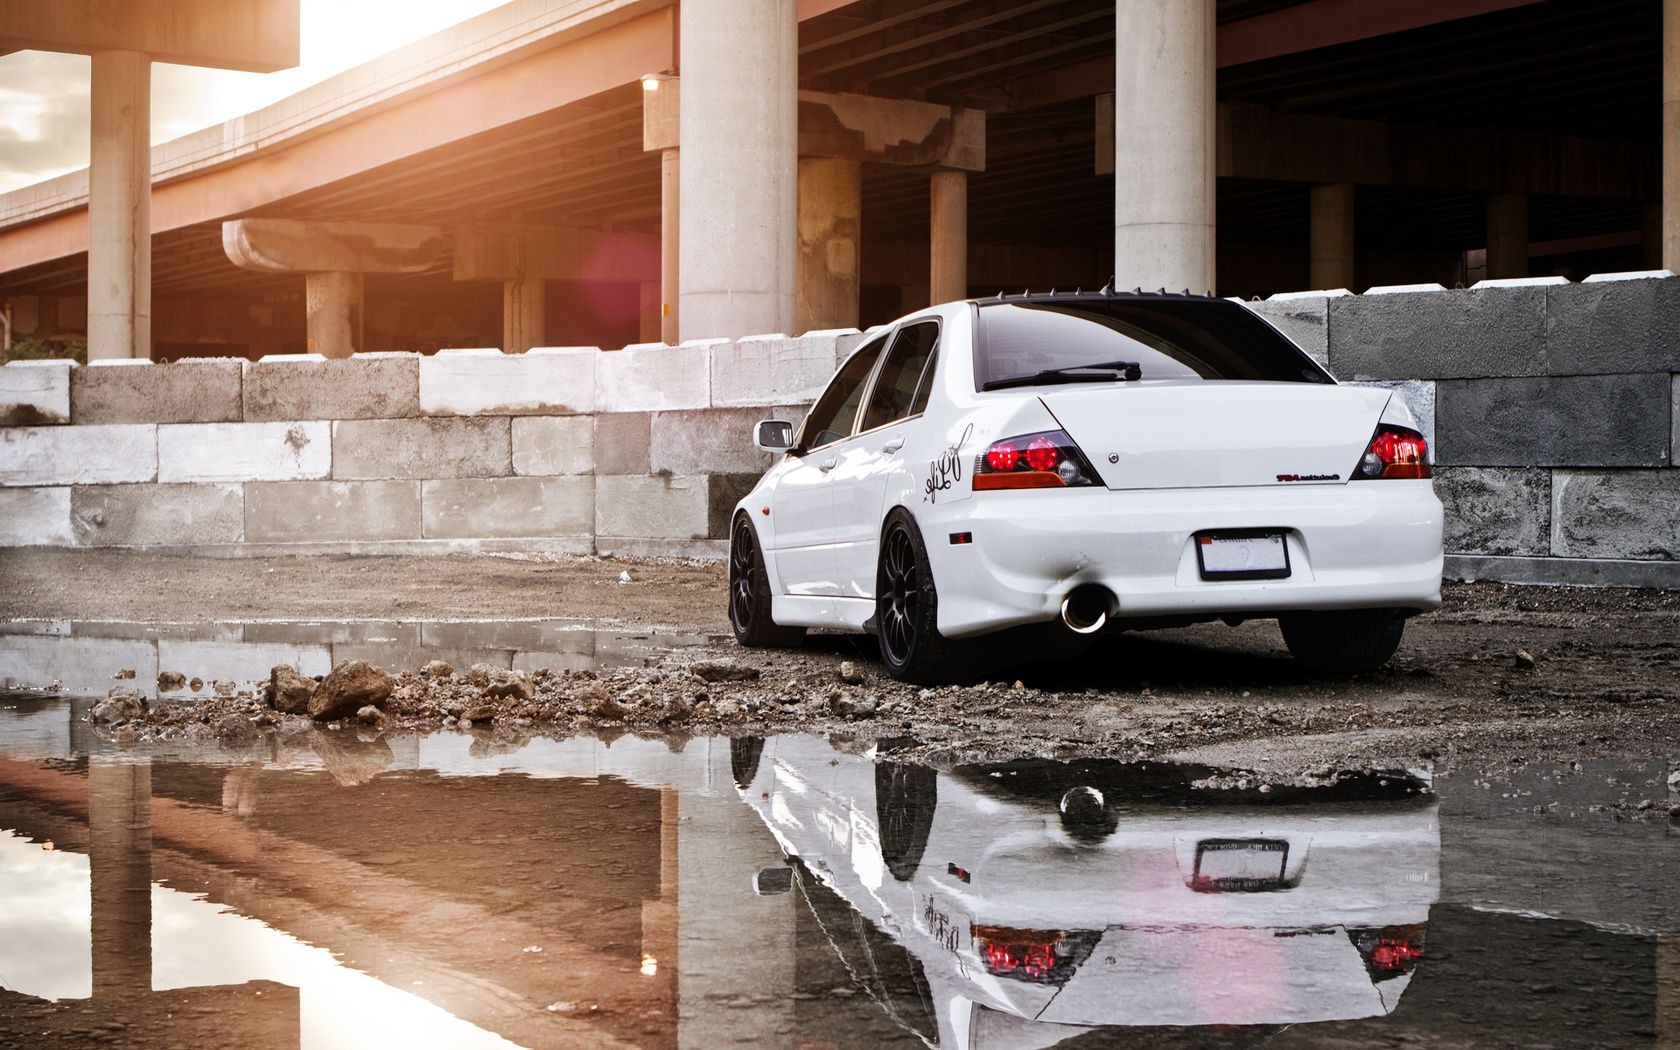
1176	459
1165	954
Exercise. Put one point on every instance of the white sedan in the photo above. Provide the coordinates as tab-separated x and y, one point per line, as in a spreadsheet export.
1087	463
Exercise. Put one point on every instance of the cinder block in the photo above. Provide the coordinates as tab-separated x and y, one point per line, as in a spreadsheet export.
244	451
35	393
1492	510
145	515
35	518
1674	421
1616	514
713	441
314	511
309	386
1613	326
192	390
473	508
1303	317
654	376
78	455
663	507
1562	421
1419	396
467	447
1439	334
723	491
623	442
545	381
239	661
80	666
554	445
773	369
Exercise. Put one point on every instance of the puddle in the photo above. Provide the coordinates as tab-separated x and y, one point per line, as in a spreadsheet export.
801	891
81	659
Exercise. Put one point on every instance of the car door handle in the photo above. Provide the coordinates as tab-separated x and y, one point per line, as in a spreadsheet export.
827	465
894	445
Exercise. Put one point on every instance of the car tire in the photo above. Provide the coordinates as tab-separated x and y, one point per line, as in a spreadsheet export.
907	608
749	594
1349	641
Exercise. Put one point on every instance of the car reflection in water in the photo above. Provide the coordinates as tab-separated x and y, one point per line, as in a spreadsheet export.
1025	903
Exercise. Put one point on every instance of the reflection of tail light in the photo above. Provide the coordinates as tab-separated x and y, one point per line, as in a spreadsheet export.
1038	956
1392	951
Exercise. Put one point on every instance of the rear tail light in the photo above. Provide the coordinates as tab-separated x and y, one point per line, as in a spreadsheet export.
1394	452
1035	956
1392	951
1046	460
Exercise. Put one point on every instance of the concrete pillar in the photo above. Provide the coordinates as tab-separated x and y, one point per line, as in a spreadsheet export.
120	207
1164	144
830	242
333	312
670	226
948	236
120	863
1671	136
739	141
524	314
1651	236
1331	253
650	326
1507	235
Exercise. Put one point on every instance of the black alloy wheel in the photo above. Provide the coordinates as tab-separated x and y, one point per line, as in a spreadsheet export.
749	594
907	609
900	596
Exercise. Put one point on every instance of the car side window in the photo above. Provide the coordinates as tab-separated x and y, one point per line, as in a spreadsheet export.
896	388
831	418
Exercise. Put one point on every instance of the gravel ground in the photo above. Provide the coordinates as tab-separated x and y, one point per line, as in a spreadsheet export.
1604	676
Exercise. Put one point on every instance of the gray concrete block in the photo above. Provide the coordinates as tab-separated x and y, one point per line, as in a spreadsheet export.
1565	421
553	445
311	511
1674	421
713	441
467	508
35	393
1627	514
723	491
309	386
1613	326
1564	572
244	451
1492	510
78	455
766	369
35	518
80	666
464	447
239	661
542	381
654	376
192	390
1439	334
662	507
622	443
145	515
1303	318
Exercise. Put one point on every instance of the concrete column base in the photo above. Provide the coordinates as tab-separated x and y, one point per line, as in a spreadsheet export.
1332	219
524	314
1507	235
333	304
948	236
120	208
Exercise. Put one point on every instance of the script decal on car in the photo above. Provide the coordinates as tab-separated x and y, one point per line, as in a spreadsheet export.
946	470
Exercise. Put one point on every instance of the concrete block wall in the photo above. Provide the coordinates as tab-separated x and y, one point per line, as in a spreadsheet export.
640	451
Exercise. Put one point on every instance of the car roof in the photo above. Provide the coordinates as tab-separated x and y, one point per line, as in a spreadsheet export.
1102	295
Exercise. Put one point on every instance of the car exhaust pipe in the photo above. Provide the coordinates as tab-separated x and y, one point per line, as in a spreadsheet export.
1085	609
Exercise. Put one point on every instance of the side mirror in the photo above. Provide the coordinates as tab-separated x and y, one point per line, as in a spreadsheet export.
773	435
773	881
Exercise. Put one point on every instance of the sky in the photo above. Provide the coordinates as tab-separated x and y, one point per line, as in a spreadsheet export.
44	97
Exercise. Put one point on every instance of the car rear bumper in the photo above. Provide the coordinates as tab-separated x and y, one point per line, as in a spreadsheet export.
1355	545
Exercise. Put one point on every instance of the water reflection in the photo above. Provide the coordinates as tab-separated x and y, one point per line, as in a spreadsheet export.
800	891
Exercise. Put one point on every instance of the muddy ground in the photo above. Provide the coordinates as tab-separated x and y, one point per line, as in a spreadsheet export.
1604	677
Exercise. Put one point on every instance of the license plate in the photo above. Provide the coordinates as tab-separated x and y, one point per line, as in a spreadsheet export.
1240	865
1252	555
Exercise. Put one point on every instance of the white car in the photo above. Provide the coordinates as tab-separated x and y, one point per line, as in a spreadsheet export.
1030	901
1106	461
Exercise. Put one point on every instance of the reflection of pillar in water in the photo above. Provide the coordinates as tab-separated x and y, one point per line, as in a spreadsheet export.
1668	991
239	791
120	854
659	917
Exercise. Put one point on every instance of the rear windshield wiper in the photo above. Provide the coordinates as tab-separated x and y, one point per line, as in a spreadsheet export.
1097	372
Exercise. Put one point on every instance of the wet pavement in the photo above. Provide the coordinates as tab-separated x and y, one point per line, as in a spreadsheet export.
358	889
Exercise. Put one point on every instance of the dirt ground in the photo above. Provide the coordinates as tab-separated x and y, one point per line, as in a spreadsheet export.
1604	678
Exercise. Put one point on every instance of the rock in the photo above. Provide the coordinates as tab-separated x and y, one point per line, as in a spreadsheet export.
624	576
127	672
849	673
1524	660
169	681
235	729
352	685
371	716
607	707
1019	686
120	705
478	713
504	683
224	688
196	684
437	669
289	691
724	671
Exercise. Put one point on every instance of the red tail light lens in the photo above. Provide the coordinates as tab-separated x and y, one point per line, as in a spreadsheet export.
1392	951
1035	956
1046	460
1394	452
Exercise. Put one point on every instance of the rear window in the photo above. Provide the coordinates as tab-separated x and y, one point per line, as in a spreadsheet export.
1192	339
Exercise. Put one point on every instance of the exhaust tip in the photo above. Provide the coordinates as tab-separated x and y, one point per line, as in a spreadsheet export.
1085	609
